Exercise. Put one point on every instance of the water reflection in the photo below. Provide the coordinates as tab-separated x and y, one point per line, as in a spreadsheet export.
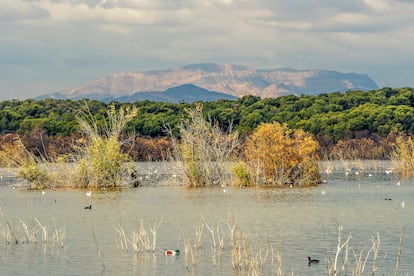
294	223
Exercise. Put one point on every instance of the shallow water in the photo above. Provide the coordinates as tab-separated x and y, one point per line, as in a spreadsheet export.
293	222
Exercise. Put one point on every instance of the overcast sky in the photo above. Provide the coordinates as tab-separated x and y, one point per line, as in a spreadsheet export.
51	45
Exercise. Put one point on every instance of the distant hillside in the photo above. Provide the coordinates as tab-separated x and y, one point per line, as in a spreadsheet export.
236	80
188	93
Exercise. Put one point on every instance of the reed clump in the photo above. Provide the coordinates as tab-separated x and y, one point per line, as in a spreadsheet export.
142	241
348	260
403	154
32	232
101	161
202	149
28	166
98	162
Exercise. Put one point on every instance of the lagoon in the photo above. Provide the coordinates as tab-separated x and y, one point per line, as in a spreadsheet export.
291	223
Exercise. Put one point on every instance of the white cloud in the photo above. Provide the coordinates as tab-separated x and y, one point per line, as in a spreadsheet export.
83	39
20	10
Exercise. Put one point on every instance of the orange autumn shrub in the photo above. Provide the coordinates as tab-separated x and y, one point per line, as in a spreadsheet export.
276	155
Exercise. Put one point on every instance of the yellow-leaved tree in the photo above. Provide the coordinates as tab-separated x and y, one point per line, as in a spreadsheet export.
276	155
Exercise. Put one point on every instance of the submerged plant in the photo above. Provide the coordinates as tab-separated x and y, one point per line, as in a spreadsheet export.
202	149
29	167
101	162
276	155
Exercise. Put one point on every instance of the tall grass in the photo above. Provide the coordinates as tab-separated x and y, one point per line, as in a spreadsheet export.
32	232
99	161
347	259
141	240
28	166
202	148
403	154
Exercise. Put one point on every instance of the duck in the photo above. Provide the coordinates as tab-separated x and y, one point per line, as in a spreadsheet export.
89	193
312	261
172	252
89	207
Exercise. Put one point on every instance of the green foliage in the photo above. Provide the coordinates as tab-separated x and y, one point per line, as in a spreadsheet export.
29	167
335	115
242	175
32	171
102	162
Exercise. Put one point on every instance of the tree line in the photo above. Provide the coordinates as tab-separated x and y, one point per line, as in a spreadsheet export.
339	121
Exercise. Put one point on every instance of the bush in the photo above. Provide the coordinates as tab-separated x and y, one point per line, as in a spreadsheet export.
203	149
276	155
101	161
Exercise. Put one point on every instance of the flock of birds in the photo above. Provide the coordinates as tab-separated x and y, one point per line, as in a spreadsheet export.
348	172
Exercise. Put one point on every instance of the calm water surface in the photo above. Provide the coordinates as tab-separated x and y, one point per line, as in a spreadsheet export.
294	222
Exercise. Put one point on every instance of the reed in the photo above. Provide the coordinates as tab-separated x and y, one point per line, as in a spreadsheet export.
199	231
8	234
28	166
403	153
122	240
277	263
202	149
397	263
31	232
101	161
44	231
356	262
189	259
58	235
141	240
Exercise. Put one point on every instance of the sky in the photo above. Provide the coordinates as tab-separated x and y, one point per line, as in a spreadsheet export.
48	46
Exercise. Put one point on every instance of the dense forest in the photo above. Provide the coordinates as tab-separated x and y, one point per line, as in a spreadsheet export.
365	122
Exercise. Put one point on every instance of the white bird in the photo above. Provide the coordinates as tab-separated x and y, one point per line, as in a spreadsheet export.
398	183
323	192
402	204
89	193
43	192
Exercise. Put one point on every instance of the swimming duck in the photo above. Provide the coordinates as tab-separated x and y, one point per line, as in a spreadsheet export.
312	261
89	207
172	252
89	193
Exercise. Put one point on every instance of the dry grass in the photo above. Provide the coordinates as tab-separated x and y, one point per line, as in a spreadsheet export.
32	232
100	162
348	260
141	240
403	154
202	149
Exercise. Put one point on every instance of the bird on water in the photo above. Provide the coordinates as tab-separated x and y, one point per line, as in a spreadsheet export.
312	261
172	252
88	207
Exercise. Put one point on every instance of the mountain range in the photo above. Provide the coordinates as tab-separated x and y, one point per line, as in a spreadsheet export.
211	81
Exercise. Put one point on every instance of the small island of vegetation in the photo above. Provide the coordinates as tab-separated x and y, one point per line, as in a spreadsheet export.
247	132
